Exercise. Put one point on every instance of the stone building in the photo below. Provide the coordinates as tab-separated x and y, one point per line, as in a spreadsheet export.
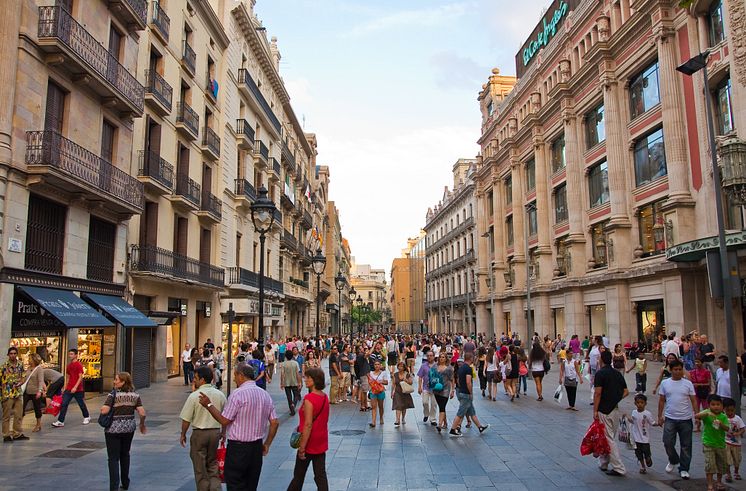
371	287
407	289
451	255
596	157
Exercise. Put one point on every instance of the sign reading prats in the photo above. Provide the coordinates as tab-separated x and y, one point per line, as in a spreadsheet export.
543	33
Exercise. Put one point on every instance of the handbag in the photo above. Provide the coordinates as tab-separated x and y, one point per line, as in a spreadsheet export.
624	435
296	435
25	384
571	382
406	387
547	365
55	405
105	420
220	459
376	387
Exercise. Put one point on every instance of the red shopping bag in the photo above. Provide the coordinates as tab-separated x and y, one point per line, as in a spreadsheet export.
220	457
595	442
55	405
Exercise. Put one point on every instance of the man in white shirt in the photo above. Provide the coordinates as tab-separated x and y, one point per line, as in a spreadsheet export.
675	412
722	377
594	359
670	347
186	364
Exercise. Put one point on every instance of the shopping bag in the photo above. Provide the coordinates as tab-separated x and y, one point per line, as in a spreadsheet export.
558	394
220	457
595	442
623	435
54	406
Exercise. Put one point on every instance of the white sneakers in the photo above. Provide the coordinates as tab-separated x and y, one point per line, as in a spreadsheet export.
669	467
58	424
684	474
86	421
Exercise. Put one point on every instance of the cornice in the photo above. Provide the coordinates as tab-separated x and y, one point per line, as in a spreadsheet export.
211	20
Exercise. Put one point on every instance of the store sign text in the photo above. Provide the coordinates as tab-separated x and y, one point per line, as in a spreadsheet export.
545	34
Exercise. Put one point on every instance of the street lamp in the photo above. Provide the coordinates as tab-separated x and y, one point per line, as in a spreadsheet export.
231	315
529	208
351	294
318	263
691	67
360	314
340	282
262	216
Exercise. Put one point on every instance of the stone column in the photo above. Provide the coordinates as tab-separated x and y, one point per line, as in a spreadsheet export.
498	222
519	246
677	163
10	26
574	187
616	148
543	206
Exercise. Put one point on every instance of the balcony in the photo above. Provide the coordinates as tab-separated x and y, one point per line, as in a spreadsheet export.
210	144
70	168
286	202
248	87
131	13
170	265
307	219
289	242
155	173
244	192
244	277
157	92
187	192
188	59
160	22
297	281
244	134
277	222
287	157
187	121
211	89
261	154
275	166
72	48
211	209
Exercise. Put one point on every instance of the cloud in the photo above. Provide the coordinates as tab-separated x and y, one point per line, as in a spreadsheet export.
300	92
453	71
427	17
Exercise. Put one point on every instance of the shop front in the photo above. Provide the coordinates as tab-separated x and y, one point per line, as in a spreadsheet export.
176	336
650	322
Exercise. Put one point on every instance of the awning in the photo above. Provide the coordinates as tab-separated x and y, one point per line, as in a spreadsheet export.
695	250
66	307
119	310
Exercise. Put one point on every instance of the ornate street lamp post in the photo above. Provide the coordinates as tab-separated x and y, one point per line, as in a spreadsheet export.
340	281
351	295
359	314
318	263
262	216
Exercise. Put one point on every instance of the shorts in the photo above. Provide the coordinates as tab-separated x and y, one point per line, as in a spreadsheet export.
391	358
465	405
493	376
734	455
642	451
537	374
716	460
381	395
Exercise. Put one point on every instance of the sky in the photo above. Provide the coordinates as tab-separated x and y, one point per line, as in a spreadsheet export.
390	88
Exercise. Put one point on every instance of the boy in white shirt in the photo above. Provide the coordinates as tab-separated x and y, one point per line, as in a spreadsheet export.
641	421
733	439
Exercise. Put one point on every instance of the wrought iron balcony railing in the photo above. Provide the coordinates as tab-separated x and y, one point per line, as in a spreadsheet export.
154	166
151	259
158	88
244	78
242	276
211	140
189	58
245	189
187	188
261	149
187	116
243	128
160	20
212	205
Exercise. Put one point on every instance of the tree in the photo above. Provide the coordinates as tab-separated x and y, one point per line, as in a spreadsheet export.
363	315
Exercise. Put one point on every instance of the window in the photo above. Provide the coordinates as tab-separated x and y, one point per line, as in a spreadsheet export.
595	131
652	230
723	108
716	22
650	158
55	113
509	191
643	90
598	184
560	203
45	235
599	244
108	132
530	175
533	220
558	154
490	108
509	230
101	240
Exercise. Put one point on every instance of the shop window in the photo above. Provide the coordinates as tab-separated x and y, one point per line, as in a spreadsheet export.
530	175
716	22
560	203
650	158
509	191
90	345
650	322
598	184
595	131
533	219
45	235
599	245
101	245
643	90
509	230
558	154
723	108
652	230
597	317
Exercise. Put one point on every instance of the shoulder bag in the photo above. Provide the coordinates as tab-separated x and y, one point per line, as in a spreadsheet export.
296	435
25	384
105	420
406	387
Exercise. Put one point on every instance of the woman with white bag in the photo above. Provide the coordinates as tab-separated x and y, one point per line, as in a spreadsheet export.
569	376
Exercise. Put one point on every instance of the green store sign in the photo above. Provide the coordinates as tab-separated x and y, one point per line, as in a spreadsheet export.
545	33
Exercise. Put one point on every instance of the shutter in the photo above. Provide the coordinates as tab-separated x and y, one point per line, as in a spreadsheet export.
181	235
141	348
154	138
107	141
182	165
205	246
152	225
53	118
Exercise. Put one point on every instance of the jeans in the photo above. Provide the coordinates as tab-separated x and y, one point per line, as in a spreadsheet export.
319	472
641	382
522	380
293	395
188	369
682	428
67	397
118	450
243	465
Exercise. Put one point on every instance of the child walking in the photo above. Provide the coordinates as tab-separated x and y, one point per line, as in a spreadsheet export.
642	420
736	429
640	364
714	425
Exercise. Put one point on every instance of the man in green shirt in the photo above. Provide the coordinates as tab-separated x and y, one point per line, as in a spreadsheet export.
290	381
585	345
11	378
206	431
715	424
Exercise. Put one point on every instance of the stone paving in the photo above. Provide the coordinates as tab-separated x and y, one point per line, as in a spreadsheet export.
530	445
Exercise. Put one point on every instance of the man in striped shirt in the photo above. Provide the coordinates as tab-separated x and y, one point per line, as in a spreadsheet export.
247	415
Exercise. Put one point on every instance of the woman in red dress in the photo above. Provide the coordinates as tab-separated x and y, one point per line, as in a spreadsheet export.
701	378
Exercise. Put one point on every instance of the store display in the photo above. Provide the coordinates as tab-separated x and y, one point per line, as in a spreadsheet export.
89	354
47	347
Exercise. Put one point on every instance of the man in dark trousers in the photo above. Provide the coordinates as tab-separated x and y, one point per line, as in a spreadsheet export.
609	388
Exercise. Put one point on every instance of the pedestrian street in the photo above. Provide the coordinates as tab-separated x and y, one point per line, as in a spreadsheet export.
529	445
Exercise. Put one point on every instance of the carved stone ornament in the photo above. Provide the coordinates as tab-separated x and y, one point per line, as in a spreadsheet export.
535	102
638	252
512	126
737	32
565	70
604	28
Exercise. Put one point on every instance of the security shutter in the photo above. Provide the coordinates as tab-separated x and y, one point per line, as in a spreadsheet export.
141	347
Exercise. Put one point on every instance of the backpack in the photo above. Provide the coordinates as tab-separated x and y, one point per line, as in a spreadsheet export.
436	380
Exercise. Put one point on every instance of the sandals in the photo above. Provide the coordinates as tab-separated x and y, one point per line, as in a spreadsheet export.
736	476
371	425
540	398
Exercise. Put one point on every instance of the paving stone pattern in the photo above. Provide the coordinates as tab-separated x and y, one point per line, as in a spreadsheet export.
530	446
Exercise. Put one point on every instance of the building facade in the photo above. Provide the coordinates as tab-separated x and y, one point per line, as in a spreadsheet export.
371	288
407	290
451	255
594	182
